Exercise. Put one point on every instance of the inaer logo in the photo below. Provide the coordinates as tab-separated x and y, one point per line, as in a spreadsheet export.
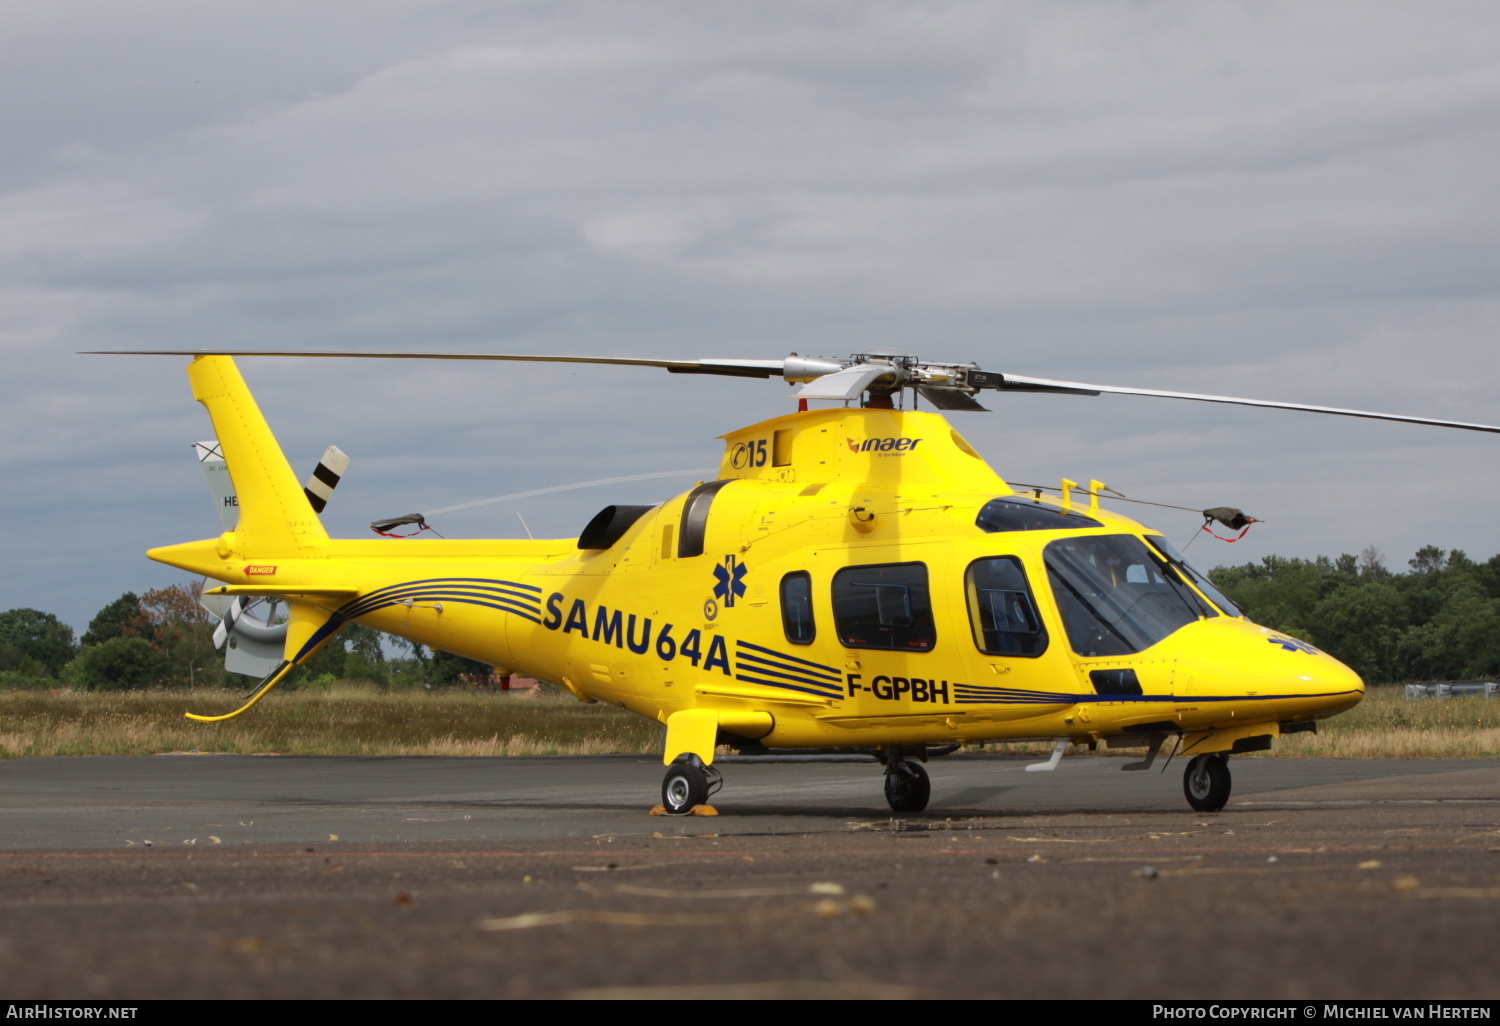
260	571
883	444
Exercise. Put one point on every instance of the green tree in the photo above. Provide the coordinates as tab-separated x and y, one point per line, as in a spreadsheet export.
14	661
119	664
1284	593
1461	642
1487	574
1362	627
364	657
1459	562
182	631
20	671
1428	560
409	670
1437	579
445	668
325	665
39	635
114	620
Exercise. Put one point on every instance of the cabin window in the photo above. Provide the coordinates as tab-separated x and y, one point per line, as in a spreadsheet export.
1116	595
796	607
884	605
1018	514
1217	597
1002	612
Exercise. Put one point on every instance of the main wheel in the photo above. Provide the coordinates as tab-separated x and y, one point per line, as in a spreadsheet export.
907	787
685	785
1206	782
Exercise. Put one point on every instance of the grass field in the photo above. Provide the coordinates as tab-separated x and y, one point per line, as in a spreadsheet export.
353	720
345	720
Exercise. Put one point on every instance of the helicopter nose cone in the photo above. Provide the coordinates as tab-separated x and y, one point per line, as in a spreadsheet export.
1328	687
1234	661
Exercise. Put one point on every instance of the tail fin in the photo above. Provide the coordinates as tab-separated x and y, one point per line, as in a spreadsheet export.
276	518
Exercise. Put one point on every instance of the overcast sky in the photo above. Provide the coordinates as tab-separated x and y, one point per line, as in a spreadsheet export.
1290	201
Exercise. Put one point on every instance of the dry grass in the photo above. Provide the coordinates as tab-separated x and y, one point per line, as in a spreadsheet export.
346	720
1386	726
352	720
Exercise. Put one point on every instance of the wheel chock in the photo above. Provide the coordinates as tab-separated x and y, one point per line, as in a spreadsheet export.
696	810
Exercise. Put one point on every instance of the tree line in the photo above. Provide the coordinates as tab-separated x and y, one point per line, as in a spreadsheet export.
1440	620
164	638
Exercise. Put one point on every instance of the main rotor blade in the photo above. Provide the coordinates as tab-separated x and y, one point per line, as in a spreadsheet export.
1047	384
846	383
734	368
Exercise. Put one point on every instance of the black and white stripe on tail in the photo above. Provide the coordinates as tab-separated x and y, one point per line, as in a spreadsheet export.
325	477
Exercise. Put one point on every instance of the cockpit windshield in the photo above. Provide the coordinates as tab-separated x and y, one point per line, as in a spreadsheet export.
1217	597
1116	595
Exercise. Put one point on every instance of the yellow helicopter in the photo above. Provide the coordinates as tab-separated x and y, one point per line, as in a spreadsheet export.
854	578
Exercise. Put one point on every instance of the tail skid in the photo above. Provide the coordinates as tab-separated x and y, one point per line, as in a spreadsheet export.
308	629
274	678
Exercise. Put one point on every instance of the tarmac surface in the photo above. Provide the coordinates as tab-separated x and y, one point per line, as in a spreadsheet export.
212	876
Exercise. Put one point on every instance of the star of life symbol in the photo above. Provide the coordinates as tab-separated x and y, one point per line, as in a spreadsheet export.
729	578
1293	645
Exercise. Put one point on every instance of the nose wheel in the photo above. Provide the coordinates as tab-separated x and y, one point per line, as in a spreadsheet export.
688	783
907	786
1206	782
